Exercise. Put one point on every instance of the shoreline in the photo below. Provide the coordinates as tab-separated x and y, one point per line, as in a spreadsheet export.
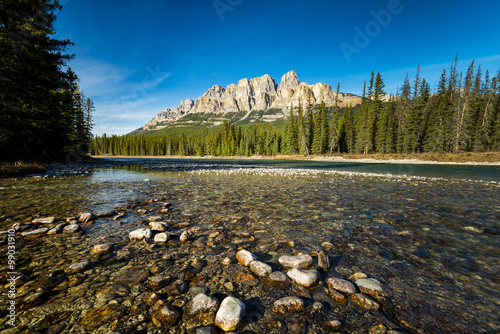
370	159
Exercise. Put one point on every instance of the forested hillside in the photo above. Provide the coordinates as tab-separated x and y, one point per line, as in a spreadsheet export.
461	115
43	114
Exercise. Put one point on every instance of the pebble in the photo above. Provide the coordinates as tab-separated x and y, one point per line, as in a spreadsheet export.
86	217
260	269
161	238
140	234
245	257
300	261
371	286
324	261
158	226
365	302
155	218
340	285
46	220
229	314
106	213
102	248
200	311
187	236
332	325
305	278
277	279
42	230
357	276
288	304
72	228
78	267
165	317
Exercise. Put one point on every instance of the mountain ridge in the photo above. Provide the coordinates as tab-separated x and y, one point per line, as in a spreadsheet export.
256	94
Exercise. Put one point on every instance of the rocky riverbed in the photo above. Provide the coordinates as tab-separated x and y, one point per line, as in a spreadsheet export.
253	252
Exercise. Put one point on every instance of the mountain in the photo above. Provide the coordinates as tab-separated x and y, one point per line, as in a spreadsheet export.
257	99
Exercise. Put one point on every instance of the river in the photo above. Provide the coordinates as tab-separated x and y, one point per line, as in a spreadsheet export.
429	233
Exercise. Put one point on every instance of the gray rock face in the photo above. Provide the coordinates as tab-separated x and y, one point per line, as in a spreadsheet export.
229	314
305	278
259	93
300	261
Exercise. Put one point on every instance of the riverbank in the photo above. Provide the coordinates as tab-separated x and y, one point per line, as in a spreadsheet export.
486	158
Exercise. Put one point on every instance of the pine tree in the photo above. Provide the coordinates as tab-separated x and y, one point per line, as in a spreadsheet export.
320	138
334	136
309	122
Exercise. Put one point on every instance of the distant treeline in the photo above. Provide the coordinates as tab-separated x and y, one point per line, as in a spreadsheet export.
463	115
43	114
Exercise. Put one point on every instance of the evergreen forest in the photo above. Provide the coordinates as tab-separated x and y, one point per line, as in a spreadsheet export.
44	116
461	114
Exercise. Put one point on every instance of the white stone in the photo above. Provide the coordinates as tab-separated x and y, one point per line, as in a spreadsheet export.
158	226
139	234
245	257
305	278
42	230
230	314
86	217
161	238
47	220
260	269
300	261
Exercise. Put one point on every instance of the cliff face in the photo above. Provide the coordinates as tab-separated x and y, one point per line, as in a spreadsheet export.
260	93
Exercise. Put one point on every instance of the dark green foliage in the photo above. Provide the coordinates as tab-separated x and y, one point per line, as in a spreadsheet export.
41	111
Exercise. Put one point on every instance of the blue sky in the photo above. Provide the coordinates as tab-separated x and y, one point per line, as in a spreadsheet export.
135	58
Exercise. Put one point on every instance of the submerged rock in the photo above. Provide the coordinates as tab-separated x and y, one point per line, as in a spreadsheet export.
365	302
187	236
38	231
78	267
200	311
277	279
102	248
230	314
72	228
165	317
372	287
98	317
289	304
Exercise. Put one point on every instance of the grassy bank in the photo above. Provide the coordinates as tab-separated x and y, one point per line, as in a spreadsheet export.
20	168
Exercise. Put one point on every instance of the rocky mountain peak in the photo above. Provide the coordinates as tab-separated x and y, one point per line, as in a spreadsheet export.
289	80
258	93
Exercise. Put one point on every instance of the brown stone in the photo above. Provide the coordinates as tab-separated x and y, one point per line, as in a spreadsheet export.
132	276
324	261
365	302
336	296
98	317
288	304
247	279
165	317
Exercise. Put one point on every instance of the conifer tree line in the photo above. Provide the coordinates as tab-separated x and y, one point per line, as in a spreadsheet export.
43	113
462	114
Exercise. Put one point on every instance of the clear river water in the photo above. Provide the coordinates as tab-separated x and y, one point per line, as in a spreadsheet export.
429	233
